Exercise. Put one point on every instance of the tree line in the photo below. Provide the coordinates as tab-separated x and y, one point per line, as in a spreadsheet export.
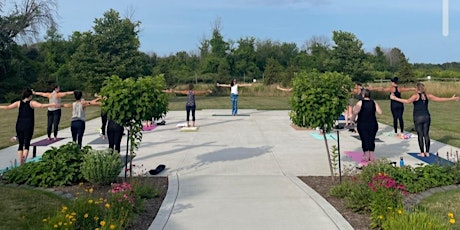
111	47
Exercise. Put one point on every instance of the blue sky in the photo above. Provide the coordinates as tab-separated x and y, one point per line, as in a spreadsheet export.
414	26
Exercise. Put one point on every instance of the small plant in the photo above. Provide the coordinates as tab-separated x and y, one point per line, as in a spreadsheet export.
101	166
334	159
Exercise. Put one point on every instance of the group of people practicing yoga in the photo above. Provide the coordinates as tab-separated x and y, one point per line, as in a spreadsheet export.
365	110
26	117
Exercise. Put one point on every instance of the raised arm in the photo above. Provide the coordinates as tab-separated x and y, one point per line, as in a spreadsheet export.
42	94
94	102
202	92
63	94
36	104
442	99
223	85
245	85
405	101
10	106
283	89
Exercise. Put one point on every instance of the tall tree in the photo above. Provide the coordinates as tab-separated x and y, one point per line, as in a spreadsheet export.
348	55
110	49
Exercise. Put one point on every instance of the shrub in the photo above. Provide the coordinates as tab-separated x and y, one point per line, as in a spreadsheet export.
57	167
399	219
101	166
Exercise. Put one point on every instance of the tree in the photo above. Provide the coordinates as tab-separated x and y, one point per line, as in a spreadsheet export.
110	49
348	55
318	99
130	101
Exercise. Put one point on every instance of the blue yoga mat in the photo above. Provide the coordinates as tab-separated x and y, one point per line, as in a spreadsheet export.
432	159
329	136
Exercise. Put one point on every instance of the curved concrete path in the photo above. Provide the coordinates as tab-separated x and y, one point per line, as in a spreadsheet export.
240	172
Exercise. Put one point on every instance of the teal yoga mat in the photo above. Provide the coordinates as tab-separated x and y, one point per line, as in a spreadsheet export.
329	136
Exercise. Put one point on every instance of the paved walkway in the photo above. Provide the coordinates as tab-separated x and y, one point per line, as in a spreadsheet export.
241	172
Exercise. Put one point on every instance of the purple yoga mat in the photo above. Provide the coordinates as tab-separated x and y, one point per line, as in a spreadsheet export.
46	142
148	128
356	156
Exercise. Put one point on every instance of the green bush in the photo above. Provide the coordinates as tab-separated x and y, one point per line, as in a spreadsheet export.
101	166
57	167
400	219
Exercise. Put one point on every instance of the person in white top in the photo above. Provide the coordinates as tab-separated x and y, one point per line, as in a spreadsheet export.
77	125
234	94
54	113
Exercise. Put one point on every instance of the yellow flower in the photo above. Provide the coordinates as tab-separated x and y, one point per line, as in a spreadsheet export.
73	213
90	201
112	226
80	184
86	215
56	226
91	190
60	223
107	205
96	218
44	220
96	229
452	221
399	211
380	217
102	223
450	215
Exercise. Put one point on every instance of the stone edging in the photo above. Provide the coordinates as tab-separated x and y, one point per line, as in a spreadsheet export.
411	201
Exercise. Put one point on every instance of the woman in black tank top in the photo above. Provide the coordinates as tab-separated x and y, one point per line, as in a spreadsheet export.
397	108
421	115
25	122
367	125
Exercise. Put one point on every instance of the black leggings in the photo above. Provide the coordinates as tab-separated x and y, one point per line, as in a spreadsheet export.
114	134
104	122
24	133
190	109
422	126
77	128
397	112
54	117
367	134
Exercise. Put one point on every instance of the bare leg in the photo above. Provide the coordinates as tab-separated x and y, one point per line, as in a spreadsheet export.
193	123
20	158
25	154
371	156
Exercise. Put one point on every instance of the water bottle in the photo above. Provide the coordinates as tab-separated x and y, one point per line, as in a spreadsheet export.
401	162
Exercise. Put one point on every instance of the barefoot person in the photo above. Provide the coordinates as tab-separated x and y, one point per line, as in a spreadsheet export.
25	122
54	113
190	105
397	108
421	115
234	94
367	125
77	126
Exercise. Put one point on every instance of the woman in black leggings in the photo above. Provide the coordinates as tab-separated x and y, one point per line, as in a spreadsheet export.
25	122
114	134
367	125
421	115
397	108
190	105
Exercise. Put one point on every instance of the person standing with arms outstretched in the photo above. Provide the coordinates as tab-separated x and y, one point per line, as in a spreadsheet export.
190	105
397	108
421	115
25	122
367	125
233	94
54	113
77	125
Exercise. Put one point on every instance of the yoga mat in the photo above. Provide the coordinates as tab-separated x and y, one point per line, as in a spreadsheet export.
99	141
329	136
231	115
148	128
46	142
189	129
432	159
376	139
356	156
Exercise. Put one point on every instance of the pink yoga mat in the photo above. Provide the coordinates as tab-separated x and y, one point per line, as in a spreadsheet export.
356	156
148	128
